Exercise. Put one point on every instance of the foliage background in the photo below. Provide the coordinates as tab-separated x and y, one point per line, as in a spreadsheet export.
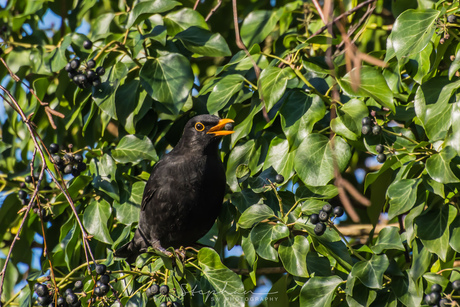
297	90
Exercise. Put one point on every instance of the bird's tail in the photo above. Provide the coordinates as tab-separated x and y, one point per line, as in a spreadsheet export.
132	249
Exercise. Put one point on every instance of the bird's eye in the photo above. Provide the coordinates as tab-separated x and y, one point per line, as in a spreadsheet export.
199	127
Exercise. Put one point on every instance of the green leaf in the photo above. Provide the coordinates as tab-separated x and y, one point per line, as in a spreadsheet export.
223	91
372	84
299	113
402	194
183	19
455	235
143	10
25	297
10	279
348	120
324	192
239	155
128	212
258	25
226	286
264	235
407	291
370	272
95	220
272	84
56	61
168	79
388	238
104	95
433	229
455	65
104	176
439	167
421	260
255	214
433	104
412	31
203	42
315	160
319	291
279	157
133	149
293	255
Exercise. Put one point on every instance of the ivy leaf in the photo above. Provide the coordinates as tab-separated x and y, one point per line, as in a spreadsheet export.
223	91
257	25
104	176
388	238
203	42
412	31
372	85
272	84
433	229
143	10
370	272
225	285
293	255
133	149
402	194
255	214
262	237
319	291
438	166
315	160
128	212
183	19
57	59
95	220
168	79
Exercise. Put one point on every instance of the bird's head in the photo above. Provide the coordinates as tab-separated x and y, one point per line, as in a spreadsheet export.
203	132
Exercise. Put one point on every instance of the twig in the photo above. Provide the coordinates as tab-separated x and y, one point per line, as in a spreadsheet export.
213	10
320	12
341	16
196	5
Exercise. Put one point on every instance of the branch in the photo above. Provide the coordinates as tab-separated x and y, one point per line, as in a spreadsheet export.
213	10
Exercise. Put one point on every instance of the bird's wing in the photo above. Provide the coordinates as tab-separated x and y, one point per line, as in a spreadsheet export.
151	186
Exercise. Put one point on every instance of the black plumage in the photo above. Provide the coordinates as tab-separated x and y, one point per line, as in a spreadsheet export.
184	193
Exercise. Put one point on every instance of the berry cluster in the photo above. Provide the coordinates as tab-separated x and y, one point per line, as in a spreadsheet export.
102	285
44	297
69	163
86	77
163	290
323	217
434	297
368	126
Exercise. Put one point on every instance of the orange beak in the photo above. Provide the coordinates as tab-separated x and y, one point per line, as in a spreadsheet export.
218	129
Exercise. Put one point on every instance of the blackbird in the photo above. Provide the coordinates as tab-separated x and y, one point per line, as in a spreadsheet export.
185	191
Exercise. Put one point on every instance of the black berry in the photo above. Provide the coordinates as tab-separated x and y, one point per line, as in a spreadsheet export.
365	129
105	279
323	216
91	75
42	290
444	303
435	297
61	302
36	286
456	285
68	169
78	285
379	148
75	64
376	130
87	44
98	291
68	68
76	304
104	289
101	269
279	178
78	157
314	218
91	64
436	288
57	159
28	179
452	18
164	289
381	158
320	228
54	148
81	167
75	172
100	71
327	208
228	126
338	211
44	300
71	298
154	289
22	194
366	121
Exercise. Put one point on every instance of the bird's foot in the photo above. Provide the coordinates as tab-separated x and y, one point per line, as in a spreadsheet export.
181	252
162	250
